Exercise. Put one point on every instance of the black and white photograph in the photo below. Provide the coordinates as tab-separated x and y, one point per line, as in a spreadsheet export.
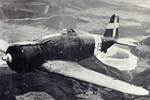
74	50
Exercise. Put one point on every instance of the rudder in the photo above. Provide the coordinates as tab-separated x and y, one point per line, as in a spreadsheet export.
111	33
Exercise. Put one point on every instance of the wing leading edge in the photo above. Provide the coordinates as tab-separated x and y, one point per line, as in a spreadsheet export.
74	70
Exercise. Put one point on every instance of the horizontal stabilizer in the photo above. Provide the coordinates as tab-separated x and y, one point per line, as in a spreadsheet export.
74	70
127	42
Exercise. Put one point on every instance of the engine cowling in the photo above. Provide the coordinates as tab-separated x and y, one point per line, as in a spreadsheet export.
24	58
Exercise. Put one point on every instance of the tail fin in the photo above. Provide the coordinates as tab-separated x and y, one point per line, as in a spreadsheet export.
111	33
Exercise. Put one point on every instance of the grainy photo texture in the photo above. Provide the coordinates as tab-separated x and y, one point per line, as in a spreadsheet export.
74	50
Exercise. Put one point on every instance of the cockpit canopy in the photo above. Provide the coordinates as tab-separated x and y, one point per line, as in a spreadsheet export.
69	32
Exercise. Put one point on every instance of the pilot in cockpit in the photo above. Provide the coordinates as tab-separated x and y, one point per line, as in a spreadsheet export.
69	32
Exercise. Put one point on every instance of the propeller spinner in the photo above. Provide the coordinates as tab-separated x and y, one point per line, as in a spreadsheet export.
7	58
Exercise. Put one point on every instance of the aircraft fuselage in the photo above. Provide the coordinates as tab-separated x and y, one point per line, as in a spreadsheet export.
26	57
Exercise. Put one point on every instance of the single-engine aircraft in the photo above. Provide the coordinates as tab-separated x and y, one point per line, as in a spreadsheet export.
61	53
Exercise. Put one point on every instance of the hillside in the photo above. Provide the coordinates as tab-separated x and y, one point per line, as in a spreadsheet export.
80	15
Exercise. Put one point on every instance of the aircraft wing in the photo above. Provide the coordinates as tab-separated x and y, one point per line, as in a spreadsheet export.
75	70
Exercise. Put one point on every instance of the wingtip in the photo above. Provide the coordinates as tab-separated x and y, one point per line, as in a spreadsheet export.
139	91
144	92
147	92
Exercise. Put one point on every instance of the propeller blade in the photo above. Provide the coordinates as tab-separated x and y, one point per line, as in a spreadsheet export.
2	63
3	46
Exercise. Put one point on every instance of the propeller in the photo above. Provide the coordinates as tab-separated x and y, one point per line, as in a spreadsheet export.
3	48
